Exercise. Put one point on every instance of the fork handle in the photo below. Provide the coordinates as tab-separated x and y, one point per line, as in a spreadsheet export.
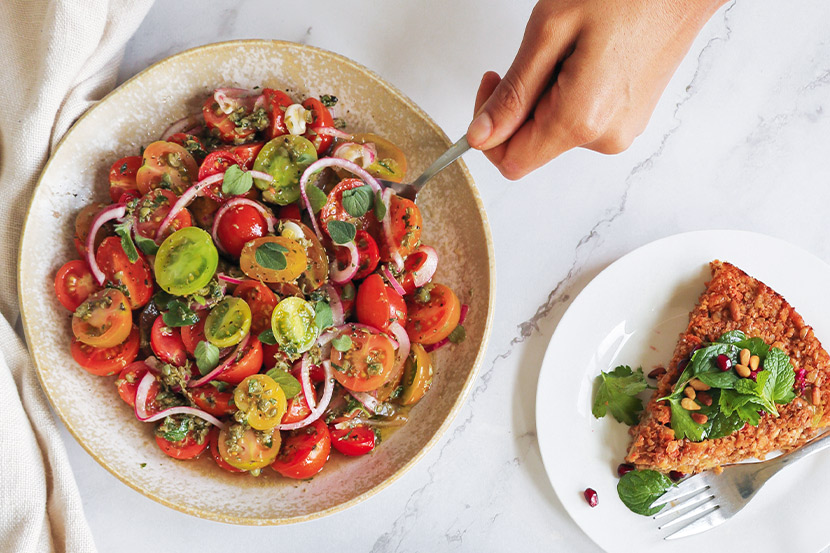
455	151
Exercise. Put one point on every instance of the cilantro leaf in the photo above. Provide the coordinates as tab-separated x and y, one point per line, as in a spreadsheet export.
236	181
616	391
316	197
357	201
271	256
124	230
207	357
638	489
342	343
179	314
341	232
290	385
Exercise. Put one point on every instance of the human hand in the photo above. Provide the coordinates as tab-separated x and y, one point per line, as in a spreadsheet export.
588	73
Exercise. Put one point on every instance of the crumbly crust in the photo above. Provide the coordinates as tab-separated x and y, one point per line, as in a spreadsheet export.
735	301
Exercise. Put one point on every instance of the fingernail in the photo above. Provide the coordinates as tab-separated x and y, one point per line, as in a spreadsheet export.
480	129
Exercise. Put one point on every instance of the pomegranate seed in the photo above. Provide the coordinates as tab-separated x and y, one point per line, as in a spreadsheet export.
591	497
624	469
724	363
754	376
676	475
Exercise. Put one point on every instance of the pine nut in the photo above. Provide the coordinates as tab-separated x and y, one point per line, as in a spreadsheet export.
689	392
753	362
689	404
699	418
743	371
698	385
744	356
704	398
734	311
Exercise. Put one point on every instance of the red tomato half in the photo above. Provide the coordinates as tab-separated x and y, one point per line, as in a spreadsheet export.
431	322
304	451
122	177
276	101
152	208
354	441
190	143
106	361
166	343
368	254
188	448
368	363
238	225
166	165
333	210
213	438
208	398
128	381
221	123
262	302
320	118
413	263
246	154
406	228
378	304
74	284
248	364
193	334
136	279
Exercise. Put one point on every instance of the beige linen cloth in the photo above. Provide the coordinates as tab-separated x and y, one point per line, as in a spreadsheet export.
58	58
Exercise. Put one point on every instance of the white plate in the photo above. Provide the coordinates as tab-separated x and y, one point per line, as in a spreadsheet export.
632	313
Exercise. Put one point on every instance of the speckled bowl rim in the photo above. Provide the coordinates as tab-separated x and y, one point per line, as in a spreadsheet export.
476	363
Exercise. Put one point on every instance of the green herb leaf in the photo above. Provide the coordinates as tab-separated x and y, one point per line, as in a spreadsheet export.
236	181
149	247
267	337
179	314
175	430
380	207
638	489
316	197
328	100
777	363
323	317
756	346
124	231
290	385
162	299
207	357
617	391
342	343
458	335
732	337
723	380
271	256
357	201
341	232
744	406
682	423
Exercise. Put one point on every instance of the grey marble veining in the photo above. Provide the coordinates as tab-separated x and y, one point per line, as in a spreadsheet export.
740	139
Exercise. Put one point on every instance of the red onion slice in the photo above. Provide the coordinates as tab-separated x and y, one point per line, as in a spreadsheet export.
321	164
231	98
116	211
261	176
331	131
403	346
337	313
393	281
344	275
438	345
229	279
187	122
369	401
427	270
387	230
188	196
367	153
464	310
318	411
305	381
219	369
141	405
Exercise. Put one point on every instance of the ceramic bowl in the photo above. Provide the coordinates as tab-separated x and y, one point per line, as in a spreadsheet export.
135	114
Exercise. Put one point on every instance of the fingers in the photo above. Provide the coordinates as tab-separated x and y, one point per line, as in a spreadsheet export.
545	42
489	82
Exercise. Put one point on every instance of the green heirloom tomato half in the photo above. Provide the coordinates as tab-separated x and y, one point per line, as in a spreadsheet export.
293	325
284	158
228	322
186	261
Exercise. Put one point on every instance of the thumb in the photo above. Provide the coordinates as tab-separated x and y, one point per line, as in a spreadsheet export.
514	98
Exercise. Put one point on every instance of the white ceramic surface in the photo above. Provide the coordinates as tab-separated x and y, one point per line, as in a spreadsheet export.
631	314
738	140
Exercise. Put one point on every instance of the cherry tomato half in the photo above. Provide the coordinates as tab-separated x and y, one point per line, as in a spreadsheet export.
431	321
74	284
284	158
411	265
246	154
320	118
103	320
193	334
151	210
106	361
406	228
238	225
164	165
417	376
213	438
186	447
186	261
262	302
167	344
128	380
221	123
292	252
378	304
304	451
245	366
244	448
368	254
353	441
122	177
228	322
208	398
367	364
135	278
333	210
276	101
191	143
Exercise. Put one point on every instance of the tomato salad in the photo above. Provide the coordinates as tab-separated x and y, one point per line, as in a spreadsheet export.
255	289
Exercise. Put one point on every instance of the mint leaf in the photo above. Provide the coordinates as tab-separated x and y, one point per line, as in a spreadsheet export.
380	207
179	314
124	231
290	385
207	357
271	256
236	181
342	343
323	317
341	232
745	406
357	201
316	197
777	363
721	425
756	346
723	380
638	489
732	337
616	391
149	247
267	337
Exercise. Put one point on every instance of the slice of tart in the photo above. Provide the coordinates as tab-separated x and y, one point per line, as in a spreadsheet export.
748	377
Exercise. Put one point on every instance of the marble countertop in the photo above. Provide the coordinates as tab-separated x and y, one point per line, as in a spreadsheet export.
738	140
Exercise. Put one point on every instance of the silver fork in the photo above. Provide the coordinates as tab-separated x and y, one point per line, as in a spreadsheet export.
410	190
707	500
